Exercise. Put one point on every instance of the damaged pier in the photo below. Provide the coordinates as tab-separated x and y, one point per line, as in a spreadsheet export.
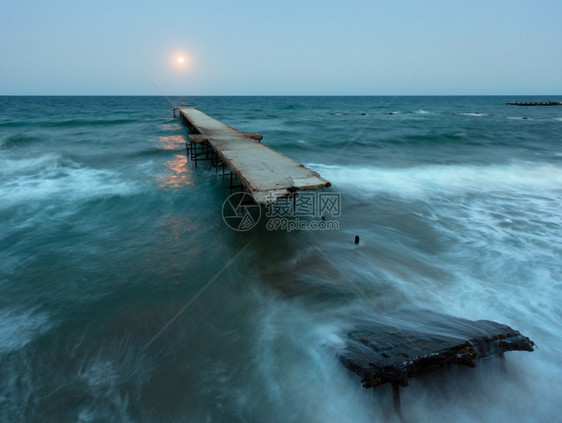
395	349
264	173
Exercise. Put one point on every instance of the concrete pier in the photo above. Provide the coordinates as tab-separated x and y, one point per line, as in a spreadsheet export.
264	173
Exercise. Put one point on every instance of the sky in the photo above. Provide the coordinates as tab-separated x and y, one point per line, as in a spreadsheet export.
307	47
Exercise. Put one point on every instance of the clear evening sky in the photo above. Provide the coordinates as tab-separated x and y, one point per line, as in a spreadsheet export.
263	47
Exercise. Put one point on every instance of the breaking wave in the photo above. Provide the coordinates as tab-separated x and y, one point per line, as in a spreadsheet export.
425	180
54	178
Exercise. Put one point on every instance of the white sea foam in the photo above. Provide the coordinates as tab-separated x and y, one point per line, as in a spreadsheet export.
11	166
98	374
420	181
519	118
49	177
309	379
18	328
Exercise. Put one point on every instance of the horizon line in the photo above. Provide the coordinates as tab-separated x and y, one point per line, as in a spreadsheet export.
278	95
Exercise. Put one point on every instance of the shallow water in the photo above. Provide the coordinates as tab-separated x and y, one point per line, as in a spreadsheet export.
107	234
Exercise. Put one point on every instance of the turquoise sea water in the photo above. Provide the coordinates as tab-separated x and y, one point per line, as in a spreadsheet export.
107	234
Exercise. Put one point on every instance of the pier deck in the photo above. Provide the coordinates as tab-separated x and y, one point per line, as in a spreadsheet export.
264	172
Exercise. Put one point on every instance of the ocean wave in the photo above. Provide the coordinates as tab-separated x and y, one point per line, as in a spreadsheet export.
85	122
18	139
18	328
526	118
14	124
435	137
69	123
476	114
420	181
32	164
53	178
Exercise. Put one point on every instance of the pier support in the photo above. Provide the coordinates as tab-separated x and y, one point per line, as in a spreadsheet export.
396	399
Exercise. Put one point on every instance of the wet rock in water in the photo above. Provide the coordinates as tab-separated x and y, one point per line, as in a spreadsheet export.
394	349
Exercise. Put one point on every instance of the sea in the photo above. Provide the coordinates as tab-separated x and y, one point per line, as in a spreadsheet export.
126	296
